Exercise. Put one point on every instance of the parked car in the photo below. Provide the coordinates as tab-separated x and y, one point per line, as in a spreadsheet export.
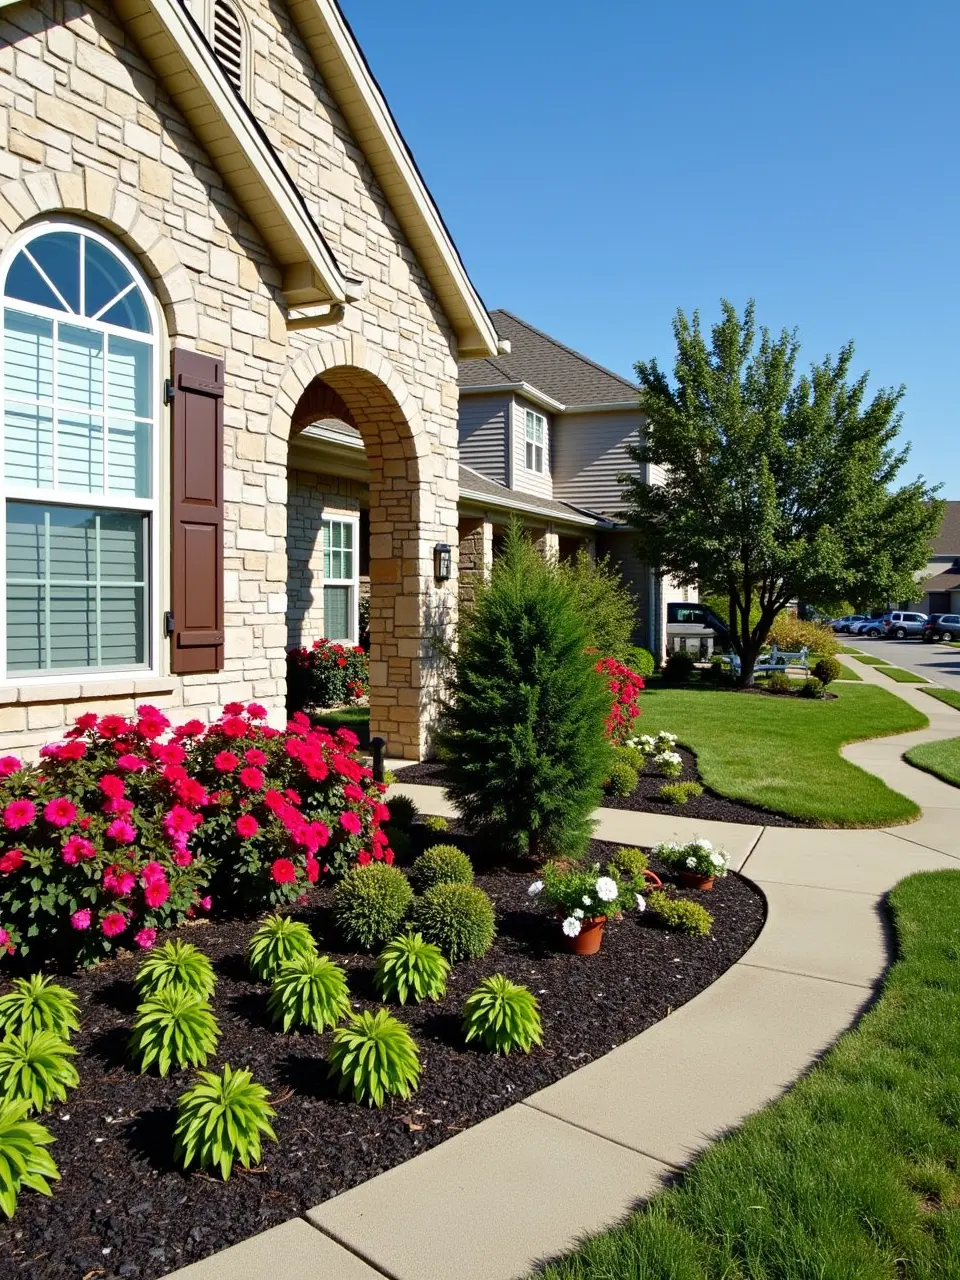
872	627
900	625
843	626
941	626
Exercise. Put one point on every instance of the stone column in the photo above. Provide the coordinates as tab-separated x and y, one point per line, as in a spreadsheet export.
547	542
476	555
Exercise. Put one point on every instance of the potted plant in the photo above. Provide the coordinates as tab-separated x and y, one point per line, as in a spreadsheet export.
584	899
696	864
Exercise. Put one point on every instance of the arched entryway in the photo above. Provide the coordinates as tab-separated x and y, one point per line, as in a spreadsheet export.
411	506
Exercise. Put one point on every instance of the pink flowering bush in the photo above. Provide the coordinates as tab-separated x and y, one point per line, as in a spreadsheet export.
625	688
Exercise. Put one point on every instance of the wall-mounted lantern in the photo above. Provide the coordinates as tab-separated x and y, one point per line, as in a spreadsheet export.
442	562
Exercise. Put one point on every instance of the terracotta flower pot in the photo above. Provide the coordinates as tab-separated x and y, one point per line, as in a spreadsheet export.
652	879
694	880
588	940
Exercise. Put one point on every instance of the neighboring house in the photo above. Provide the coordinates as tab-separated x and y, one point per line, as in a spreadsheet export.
548	430
213	238
939	590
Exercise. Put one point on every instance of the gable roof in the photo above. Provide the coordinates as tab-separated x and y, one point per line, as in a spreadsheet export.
480	488
947	540
548	365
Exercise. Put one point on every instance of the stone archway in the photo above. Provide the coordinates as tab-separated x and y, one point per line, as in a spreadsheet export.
413	507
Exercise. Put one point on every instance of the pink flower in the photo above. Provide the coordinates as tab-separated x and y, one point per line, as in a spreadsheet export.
352	792
9	765
152	871
81	919
190	791
156	892
350	822
234	727
363	858
252	778
225	761
255	756
233	709
283	871
82	723
192	729
180	821
274	801
118	882
72	751
313	870
122	831
131	764
60	812
112	786
169	753
247	825
121	808
145	938
19	813
182	857
5	943
113	924
256	712
206	903
11	862
76	848
293	796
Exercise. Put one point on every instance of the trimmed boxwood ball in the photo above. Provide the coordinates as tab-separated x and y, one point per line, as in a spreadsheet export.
827	669
631	756
403	812
680	792
641	661
678	667
434	822
812	688
441	864
623	779
370	903
780	682
457	918
400	840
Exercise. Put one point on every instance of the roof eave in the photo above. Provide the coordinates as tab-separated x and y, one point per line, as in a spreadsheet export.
525	389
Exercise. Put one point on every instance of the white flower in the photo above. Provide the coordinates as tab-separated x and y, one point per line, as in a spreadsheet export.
705	845
587	902
607	890
571	926
691	863
578	912
535	888
718	859
641	902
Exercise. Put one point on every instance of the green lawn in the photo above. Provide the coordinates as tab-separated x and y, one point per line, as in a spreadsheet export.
845	648
941	758
855	1174
355	718
846	673
870	659
950	696
903	677
784	753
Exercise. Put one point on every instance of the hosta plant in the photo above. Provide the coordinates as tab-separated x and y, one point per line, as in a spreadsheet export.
24	1162
410	968
502	1015
173	1028
35	1068
374	1055
176	964
37	1004
221	1121
278	941
309	991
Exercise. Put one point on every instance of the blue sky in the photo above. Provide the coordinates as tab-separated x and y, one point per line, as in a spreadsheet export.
601	165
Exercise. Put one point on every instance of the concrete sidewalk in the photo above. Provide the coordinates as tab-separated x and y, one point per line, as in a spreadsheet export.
575	1157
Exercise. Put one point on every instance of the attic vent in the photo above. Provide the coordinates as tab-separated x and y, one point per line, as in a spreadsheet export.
228	42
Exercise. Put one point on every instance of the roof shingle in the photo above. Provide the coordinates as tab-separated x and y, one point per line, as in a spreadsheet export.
947	541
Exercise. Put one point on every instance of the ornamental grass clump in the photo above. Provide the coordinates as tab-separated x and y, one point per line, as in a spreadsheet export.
441	864
176	964
221	1121
38	1004
309	991
457	918
35	1068
680	914
172	1029
24	1162
277	942
523	739
409	967
502	1015
370	903
680	792
373	1056
697	856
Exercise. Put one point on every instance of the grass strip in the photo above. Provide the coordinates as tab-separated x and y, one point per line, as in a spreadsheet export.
355	718
940	758
903	676
950	696
871	660
856	1172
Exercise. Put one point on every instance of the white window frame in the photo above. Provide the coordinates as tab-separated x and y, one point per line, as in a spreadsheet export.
535	451
327	521
108	502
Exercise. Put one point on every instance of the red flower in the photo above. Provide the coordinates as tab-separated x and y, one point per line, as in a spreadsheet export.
167	753
350	822
131	764
256	712
113	924
192	729
60	812
156	892
234	727
112	786
252	778
283	871
11	861
9	765
233	709
293	796
363	858
113	726
19	813
247	826
388	857
255	756
313	870
72	751
87	721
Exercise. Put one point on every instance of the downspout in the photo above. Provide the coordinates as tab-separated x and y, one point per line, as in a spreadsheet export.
652	609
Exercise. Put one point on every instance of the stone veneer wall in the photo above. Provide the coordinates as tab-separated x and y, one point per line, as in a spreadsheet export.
310	497
87	129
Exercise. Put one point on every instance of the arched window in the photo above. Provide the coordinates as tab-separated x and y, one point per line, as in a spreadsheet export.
79	375
228	37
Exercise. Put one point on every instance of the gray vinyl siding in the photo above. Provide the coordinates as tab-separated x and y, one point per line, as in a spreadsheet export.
621	548
531	481
589	452
483	434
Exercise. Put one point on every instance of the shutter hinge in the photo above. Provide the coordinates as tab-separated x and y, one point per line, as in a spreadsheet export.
169	623
169	391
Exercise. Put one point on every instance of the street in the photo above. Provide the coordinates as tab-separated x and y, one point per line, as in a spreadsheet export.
935	661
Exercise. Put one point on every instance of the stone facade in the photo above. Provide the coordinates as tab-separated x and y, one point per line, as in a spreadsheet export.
311	497
87	131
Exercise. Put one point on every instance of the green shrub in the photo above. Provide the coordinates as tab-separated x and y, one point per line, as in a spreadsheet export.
680	792
719	670
309	991
222	1120
441	864
680	914
631	863
37	1004
403	813
457	918
631	756
410	966
435	823
276	942
400	841
790	634
604	601
370	903
623	779
502	1015
812	688
374	1055
23	1160
641	661
35	1068
678	667
827	669
780	682
176	964
173	1028
523	734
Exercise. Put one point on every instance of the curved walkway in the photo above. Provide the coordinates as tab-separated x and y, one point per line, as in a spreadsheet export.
575	1157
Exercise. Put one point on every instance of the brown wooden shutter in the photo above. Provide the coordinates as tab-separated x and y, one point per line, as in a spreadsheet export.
197	513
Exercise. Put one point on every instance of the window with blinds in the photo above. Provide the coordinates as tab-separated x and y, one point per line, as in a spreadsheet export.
340	594
79	427
228	42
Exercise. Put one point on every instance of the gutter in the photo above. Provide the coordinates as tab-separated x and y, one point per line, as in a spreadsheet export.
538	397
494	500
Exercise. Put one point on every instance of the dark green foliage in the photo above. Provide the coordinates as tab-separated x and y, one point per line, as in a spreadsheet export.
176	964
35	1068
37	1004
606	604
278	940
827	669
719	670
441	864
370	903
374	1056
403	813
457	918
223	1120
409	966
678	668
623	779
812	688
23	1160
641	661
400	841
680	792
502	1015
173	1028
680	914
523	737
309	991
780	682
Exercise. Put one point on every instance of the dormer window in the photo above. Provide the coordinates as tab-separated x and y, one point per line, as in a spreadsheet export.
536	431
228	35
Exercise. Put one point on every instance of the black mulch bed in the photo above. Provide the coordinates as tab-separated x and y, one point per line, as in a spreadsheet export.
123	1210
646	797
